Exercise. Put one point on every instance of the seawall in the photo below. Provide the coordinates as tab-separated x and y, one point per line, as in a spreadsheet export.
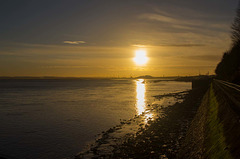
215	130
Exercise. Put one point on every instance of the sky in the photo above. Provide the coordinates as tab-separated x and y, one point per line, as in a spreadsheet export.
99	38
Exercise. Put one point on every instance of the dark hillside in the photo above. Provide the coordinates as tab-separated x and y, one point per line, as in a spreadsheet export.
229	67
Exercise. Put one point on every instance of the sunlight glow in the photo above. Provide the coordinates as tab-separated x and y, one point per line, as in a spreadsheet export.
140	96
148	116
141	101
140	57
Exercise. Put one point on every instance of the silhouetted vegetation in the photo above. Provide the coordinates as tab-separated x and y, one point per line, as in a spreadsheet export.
229	67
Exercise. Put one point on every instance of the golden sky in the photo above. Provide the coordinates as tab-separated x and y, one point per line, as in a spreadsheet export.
93	39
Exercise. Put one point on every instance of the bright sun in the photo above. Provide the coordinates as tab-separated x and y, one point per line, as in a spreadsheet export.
140	57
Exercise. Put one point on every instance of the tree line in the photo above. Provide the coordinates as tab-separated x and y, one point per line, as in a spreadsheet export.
229	67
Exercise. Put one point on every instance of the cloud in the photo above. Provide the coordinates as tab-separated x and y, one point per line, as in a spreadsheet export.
204	57
186	21
158	17
139	45
65	67
74	42
183	45
170	45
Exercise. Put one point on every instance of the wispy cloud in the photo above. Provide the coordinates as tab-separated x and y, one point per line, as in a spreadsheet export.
157	17
204	57
178	22
74	42
186	21
183	45
64	66
139	45
170	45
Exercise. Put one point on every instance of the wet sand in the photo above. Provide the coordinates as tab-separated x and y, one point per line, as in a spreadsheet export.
156	133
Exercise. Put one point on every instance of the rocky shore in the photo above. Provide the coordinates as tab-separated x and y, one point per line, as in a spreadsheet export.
156	133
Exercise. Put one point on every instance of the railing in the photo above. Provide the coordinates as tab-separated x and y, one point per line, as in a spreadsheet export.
231	91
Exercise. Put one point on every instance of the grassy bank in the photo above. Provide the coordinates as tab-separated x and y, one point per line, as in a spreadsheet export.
215	138
214	132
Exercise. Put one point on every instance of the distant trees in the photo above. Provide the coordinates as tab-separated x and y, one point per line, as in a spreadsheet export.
229	67
236	29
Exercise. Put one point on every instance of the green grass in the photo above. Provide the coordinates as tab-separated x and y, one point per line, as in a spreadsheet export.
216	145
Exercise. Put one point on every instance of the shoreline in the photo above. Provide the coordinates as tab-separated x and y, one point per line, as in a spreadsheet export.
146	135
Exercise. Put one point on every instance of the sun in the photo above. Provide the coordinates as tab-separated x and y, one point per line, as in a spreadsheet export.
140	57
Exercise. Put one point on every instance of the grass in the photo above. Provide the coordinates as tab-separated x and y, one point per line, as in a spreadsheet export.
216	145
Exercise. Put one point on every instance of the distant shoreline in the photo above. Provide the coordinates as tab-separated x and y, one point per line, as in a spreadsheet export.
177	78
53	77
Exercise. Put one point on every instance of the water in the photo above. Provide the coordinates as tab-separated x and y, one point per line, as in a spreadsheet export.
56	118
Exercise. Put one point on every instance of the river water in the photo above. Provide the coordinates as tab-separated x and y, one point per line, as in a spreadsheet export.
55	118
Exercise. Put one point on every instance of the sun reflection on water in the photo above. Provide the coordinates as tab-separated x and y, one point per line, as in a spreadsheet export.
148	116
141	101
140	89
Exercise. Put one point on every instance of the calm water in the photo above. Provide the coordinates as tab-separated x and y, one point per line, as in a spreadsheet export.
56	118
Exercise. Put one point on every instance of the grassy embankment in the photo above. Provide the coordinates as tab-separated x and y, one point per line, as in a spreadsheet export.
215	130
216	143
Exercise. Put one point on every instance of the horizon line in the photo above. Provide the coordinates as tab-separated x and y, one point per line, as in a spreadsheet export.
85	77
